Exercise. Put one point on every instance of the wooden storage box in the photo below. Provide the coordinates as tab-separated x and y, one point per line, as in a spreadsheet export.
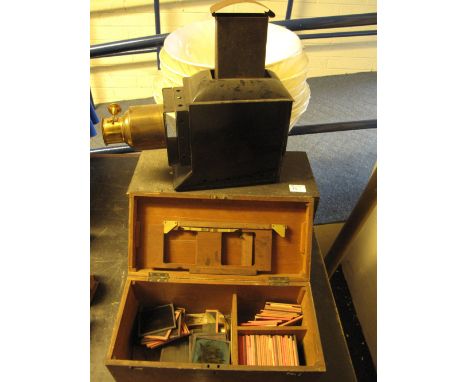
228	249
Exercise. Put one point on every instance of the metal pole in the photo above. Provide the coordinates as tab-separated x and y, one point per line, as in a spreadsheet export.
352	226
337	34
329	22
157	23
126	53
289	9
91	97
101	50
296	130
113	150
332	127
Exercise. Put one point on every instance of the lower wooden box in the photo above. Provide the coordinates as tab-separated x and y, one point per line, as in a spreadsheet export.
231	250
129	361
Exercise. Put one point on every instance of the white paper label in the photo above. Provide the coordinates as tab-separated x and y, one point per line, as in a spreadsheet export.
297	188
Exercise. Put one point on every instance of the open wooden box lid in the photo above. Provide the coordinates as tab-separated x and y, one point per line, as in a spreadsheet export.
255	234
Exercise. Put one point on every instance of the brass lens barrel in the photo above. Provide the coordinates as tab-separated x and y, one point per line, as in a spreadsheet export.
141	127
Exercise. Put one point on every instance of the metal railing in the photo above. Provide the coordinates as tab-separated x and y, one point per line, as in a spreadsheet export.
153	43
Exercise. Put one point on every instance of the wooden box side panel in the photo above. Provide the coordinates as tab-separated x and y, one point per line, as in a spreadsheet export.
154	250
194	298
133	234
307	239
234	335
122	335
314	354
143	373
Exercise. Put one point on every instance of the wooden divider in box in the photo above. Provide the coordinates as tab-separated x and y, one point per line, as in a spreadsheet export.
251	299
231	250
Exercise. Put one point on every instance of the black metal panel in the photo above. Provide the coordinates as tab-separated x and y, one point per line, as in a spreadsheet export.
250	135
245	148
240	45
172	151
231	131
183	137
236	144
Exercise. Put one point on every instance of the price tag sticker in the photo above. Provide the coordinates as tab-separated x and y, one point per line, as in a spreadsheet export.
297	188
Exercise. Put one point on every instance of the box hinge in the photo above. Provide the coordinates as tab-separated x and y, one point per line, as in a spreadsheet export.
278	280
158	277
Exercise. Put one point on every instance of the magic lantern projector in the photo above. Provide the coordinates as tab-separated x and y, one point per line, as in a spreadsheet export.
231	122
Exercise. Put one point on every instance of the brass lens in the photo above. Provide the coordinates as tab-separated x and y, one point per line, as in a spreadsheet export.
141	127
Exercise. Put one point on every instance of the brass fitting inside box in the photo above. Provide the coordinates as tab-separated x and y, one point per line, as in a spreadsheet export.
141	127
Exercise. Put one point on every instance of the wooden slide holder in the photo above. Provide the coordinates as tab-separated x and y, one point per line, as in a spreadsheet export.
256	245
